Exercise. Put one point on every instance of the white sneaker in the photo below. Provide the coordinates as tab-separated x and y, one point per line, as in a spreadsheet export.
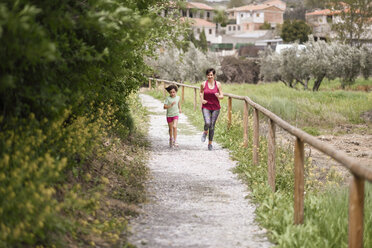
204	137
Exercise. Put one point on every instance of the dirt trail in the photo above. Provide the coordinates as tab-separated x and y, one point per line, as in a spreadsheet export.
194	198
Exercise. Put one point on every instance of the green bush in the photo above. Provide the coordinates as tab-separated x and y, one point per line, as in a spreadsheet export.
67	69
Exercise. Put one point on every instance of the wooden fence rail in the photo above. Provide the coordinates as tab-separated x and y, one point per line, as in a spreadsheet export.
359	170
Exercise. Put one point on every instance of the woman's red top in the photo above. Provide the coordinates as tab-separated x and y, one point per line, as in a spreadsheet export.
213	103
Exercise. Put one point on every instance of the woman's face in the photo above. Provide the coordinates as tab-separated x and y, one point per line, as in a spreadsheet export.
210	76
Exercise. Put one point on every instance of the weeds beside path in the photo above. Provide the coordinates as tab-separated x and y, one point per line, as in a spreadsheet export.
194	198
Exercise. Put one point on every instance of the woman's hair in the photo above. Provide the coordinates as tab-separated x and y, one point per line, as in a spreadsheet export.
210	70
171	87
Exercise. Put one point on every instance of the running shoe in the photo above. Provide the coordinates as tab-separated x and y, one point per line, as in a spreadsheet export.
204	137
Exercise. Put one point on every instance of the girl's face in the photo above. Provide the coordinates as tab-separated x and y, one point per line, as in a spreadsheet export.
173	93
210	76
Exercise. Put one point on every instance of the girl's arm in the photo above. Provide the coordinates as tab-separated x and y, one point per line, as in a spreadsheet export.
202	94
219	95
169	106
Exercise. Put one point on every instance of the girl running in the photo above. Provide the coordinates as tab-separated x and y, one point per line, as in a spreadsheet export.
173	106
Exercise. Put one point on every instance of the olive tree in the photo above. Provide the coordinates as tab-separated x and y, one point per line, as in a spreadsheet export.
269	65
366	62
320	61
177	65
347	63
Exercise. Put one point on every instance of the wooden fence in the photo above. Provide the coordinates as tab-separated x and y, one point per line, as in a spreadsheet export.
359	170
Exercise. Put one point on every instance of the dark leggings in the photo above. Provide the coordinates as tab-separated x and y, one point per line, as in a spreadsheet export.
210	118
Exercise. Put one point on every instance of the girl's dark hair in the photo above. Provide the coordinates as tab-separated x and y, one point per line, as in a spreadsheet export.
210	70
171	87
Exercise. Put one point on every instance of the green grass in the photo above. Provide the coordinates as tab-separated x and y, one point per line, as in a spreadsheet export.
326	201
318	111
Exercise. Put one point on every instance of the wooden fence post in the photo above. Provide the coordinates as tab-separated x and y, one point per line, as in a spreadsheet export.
256	134
299	182
271	155
229	110
356	209
156	84
195	101
183	94
245	123
149	84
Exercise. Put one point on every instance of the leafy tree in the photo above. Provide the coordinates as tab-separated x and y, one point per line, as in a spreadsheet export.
65	66
318	61
177	65
220	18
353	17
296	30
265	26
297	13
235	3
203	44
366	61
315	4
55	53
269	65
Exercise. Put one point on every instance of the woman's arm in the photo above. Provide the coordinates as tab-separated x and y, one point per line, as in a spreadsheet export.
202	94
219	95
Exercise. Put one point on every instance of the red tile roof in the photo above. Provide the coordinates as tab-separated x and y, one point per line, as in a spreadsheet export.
197	22
254	7
192	5
320	12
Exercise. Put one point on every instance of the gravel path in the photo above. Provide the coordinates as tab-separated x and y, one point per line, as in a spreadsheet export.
194	198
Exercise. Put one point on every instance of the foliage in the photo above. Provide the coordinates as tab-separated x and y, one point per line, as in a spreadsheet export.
235	3
67	70
315	4
265	26
297	13
317	113
239	70
56	55
174	64
203	44
295	30
366	62
220	17
319	60
352	20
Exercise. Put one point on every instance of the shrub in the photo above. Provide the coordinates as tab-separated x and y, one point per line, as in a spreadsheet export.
239	70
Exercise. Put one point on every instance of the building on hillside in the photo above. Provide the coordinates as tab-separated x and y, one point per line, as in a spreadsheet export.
321	22
189	10
252	17
199	25
198	10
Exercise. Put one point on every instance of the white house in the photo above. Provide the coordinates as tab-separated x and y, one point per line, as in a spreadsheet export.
252	17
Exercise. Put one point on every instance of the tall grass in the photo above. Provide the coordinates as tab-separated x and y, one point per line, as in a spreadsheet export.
326	202
321	110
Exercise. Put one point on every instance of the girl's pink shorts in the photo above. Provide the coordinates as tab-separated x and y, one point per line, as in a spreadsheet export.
171	119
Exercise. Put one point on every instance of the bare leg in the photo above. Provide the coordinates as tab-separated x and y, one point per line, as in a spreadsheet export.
175	122
170	125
